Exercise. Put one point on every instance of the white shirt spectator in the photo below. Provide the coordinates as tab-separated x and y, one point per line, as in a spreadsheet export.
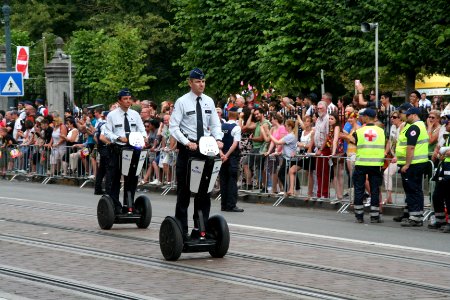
425	103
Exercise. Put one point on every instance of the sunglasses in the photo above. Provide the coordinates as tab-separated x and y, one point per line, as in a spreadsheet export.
431	117
394	117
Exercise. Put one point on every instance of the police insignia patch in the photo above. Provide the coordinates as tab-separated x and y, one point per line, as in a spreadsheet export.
413	133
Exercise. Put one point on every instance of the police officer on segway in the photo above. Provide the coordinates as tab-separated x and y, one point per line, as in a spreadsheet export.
120	123
194	116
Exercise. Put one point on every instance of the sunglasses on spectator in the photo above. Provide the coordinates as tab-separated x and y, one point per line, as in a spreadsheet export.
431	117
394	117
372	94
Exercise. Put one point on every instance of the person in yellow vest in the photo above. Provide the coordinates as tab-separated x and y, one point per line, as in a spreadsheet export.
370	142
441	194
412	158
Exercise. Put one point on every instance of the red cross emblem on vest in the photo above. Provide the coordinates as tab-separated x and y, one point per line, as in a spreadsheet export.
370	135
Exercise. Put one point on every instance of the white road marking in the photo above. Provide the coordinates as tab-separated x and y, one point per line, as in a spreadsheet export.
339	239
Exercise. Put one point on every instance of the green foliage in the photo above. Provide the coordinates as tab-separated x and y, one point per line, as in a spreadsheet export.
105	64
147	44
221	37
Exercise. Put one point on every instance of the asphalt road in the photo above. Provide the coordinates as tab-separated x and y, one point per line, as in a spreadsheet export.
292	220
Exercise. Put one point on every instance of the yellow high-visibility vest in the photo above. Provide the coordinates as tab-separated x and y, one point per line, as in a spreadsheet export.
421	148
370	146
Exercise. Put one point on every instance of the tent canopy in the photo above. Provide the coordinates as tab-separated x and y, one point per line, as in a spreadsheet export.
434	81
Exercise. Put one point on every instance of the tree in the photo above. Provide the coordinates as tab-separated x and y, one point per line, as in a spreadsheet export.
222	38
107	63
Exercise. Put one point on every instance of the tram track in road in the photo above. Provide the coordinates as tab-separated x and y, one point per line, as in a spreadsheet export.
395	257
270	285
259	258
69	285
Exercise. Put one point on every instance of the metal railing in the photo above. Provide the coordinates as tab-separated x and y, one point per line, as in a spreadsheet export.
302	177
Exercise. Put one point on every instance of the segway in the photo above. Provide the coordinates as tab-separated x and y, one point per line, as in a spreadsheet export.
139	211
215	237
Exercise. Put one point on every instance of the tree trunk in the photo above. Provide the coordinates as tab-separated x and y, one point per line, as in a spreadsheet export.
410	83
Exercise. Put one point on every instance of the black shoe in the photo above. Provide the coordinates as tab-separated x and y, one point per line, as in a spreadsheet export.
235	209
400	218
118	210
186	237
195	234
359	220
102	192
376	220
446	228
436	225
411	223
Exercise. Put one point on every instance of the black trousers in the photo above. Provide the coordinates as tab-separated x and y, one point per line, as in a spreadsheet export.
412	184
201	202
228	182
359	180
115	174
105	157
441	199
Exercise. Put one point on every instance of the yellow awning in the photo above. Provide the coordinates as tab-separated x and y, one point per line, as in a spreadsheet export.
435	81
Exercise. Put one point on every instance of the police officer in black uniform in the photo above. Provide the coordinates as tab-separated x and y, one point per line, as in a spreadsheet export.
230	163
441	194
194	116
120	123
105	156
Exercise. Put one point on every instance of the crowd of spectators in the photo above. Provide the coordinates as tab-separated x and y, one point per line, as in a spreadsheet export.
275	133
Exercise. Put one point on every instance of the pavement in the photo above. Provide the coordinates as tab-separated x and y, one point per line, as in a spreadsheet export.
52	230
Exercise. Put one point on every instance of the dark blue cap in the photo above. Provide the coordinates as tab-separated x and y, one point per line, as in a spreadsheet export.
21	102
28	103
405	106
39	100
123	93
368	112
413	111
196	74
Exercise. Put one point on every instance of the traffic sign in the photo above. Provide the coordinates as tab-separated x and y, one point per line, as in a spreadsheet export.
11	84
22	61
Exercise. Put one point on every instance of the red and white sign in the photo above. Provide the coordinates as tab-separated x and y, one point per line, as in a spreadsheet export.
370	135
22	60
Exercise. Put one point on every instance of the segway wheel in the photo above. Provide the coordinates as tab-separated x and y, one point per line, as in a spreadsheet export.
217	228
105	212
170	239
143	205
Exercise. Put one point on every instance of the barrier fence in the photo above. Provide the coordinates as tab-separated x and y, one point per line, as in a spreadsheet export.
304	176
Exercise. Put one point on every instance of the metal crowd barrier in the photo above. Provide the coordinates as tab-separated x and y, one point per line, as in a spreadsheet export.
333	174
266	176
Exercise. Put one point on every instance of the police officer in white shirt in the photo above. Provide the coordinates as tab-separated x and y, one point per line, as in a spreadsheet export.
117	130
194	115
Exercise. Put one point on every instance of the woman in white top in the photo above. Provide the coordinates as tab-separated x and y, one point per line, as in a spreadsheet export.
71	139
396	127
58	145
305	145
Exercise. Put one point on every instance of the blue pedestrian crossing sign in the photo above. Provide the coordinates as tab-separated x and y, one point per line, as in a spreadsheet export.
11	84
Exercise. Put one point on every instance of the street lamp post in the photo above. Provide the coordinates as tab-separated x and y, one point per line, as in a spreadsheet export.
65	56
6	9
367	27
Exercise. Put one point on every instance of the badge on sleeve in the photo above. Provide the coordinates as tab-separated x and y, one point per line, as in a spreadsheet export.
413	133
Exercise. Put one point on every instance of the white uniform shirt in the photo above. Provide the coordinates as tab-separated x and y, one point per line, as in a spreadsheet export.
115	126
183	121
